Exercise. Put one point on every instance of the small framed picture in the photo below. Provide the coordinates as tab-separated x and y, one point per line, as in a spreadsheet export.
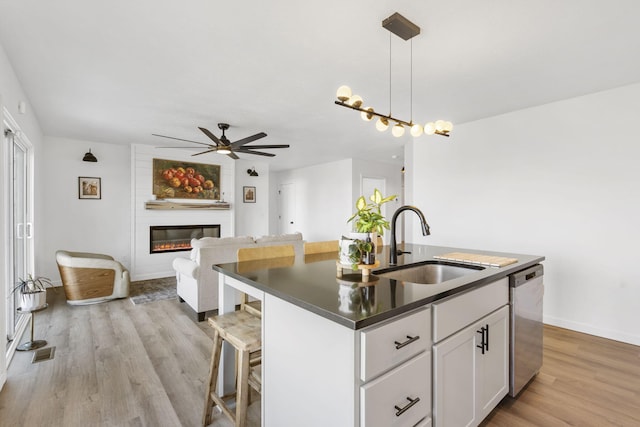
89	187
249	194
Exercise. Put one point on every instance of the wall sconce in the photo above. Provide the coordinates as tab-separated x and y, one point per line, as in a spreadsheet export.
252	171
88	157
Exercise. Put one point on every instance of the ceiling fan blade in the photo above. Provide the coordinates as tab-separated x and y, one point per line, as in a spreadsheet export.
179	139
212	136
205	152
259	153
251	147
233	155
187	148
241	142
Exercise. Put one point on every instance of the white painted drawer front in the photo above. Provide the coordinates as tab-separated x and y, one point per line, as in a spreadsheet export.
379	345
461	310
385	397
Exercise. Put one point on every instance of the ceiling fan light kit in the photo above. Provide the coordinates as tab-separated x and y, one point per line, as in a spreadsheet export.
222	145
405	29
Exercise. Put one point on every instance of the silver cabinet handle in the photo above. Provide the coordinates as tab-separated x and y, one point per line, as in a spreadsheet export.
407	407
409	340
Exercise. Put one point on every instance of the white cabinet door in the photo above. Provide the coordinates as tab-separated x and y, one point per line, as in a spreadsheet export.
493	366
454	372
471	371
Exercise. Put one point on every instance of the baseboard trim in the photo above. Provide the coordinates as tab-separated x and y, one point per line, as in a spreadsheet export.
23	322
592	330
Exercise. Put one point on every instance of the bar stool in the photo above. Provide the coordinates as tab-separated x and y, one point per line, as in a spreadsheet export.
242	331
312	248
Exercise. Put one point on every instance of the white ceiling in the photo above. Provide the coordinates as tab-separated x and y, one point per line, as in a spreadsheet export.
117	71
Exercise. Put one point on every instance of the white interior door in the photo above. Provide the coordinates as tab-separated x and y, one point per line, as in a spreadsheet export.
287	208
20	225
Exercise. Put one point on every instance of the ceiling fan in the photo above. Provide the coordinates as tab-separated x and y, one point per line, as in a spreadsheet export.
222	145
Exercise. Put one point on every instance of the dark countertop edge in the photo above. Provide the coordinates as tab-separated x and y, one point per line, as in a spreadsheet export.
372	320
500	273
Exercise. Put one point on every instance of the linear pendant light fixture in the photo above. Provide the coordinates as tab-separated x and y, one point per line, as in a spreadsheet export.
405	29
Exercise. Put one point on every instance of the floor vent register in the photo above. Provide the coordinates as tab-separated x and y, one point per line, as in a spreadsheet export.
43	354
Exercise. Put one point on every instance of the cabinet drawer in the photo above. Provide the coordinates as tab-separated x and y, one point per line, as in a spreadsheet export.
383	347
385	401
458	311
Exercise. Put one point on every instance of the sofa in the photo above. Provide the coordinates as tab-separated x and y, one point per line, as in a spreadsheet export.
197	281
89	278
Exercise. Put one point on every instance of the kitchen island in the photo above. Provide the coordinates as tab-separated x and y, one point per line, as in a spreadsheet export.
325	338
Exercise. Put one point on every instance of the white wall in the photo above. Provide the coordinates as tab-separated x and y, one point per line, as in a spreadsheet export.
323	195
85	225
252	219
326	194
118	224
559	180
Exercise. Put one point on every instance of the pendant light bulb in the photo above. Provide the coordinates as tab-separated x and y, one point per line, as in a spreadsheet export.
448	127
430	128
343	93
382	124
440	125
366	115
398	130
355	101
416	130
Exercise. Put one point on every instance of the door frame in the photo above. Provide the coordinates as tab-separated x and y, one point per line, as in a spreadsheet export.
291	208
22	321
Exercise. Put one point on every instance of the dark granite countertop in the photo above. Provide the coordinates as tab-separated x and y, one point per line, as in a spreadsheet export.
311	283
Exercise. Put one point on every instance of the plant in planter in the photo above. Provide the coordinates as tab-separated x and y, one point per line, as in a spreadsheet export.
368	217
361	252
33	293
368	222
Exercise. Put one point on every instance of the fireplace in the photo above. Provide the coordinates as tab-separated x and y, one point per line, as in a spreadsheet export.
175	238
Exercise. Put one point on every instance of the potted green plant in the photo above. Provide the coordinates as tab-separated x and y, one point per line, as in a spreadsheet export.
361	252
368	224
33	292
368	217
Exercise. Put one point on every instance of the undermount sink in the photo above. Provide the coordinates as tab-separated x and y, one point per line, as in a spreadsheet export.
428	272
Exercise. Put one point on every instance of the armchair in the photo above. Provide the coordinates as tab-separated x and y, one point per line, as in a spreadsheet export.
89	278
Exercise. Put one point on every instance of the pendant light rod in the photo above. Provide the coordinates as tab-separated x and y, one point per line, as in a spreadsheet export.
389	117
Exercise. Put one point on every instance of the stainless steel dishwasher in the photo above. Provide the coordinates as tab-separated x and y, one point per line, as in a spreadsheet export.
526	294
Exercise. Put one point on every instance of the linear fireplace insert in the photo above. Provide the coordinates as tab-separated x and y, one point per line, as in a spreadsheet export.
174	238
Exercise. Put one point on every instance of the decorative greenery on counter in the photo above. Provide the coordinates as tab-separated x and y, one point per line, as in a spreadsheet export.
368	217
357	251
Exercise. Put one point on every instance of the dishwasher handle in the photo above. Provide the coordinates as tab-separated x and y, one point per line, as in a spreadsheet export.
527	275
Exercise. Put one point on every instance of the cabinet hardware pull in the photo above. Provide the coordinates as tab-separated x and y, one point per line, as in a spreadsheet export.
410	339
482	344
486	343
406	408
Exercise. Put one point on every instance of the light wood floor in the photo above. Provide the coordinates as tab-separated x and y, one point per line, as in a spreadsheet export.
117	364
